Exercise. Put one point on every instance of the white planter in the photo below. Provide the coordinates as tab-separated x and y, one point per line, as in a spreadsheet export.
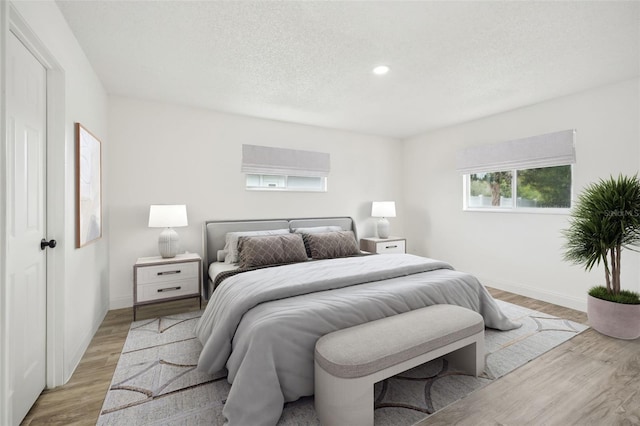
614	319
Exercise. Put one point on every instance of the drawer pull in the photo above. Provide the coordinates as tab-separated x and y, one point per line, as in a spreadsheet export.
169	272
391	247
160	290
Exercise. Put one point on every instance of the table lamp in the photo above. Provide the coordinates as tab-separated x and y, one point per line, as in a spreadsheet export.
383	210
168	216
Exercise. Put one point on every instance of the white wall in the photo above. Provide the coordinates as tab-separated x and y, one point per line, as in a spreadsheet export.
82	287
161	153
515	251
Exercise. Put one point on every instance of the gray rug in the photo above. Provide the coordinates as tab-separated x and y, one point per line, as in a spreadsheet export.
156	383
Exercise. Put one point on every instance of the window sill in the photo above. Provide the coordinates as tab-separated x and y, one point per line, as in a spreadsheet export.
280	189
554	211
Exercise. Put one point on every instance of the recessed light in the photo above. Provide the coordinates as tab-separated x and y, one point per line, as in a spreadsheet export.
381	70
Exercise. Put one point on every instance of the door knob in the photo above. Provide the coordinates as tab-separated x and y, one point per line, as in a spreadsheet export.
44	244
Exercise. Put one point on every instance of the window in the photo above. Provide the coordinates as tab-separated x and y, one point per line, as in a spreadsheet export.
541	188
286	183
280	169
490	190
547	187
529	173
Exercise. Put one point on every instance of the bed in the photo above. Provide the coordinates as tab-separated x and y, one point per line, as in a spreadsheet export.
262	324
215	231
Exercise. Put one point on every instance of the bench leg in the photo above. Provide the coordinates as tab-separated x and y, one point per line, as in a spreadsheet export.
470	358
341	402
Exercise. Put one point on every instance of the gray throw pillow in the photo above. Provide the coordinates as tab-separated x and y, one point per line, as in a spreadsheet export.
270	250
329	245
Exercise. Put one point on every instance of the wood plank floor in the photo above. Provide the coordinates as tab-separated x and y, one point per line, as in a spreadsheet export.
589	380
79	401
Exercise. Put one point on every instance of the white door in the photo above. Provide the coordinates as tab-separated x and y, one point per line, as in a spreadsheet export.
26	262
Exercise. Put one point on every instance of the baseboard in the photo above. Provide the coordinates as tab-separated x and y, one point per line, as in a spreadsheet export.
121	302
579	304
78	353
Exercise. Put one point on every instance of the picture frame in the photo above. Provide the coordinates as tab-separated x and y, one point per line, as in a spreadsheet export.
88	187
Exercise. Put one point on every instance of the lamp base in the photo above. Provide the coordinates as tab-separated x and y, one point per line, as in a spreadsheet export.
168	243
383	228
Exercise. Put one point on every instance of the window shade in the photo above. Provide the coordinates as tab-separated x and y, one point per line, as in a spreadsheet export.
551	149
264	160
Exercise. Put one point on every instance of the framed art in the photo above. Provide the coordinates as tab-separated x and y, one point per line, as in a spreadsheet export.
88	187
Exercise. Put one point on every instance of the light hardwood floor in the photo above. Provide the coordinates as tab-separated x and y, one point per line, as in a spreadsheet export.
589	380
79	401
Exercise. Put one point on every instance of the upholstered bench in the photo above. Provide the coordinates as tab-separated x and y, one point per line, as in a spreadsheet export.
349	362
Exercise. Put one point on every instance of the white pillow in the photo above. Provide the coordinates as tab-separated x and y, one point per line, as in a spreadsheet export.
317	229
231	241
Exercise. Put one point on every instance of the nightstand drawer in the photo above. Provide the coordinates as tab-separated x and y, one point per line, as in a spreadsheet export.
168	272
390	247
384	245
166	290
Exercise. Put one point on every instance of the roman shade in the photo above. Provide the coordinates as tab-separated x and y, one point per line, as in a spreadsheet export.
548	150
264	160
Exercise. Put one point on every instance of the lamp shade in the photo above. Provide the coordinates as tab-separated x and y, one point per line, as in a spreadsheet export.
167	215
383	209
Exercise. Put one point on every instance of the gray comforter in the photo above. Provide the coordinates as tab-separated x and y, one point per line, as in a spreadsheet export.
263	325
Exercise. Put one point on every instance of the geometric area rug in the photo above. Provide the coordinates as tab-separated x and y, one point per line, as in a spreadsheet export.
156	383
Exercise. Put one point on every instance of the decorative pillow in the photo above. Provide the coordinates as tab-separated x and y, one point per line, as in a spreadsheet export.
221	255
271	250
231	240
315	230
328	245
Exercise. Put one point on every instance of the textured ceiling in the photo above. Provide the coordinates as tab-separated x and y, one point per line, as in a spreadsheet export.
310	62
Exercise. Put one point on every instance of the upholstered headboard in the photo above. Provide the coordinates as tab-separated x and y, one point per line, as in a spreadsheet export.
214	232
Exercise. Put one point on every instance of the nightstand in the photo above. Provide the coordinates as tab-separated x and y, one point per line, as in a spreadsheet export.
384	245
156	279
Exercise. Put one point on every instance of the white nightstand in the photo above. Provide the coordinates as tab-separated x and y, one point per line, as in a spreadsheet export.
156	279
384	245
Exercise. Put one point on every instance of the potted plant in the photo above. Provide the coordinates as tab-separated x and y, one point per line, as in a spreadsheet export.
606	219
